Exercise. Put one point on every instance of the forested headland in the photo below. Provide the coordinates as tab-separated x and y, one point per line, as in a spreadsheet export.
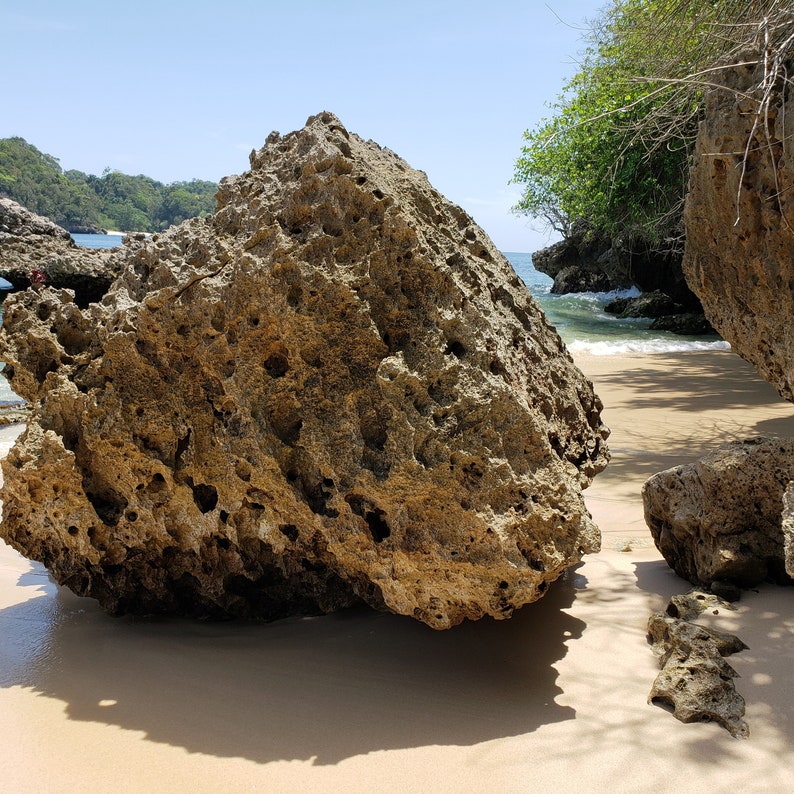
83	202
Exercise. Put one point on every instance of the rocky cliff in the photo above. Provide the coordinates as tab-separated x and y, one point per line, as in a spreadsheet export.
29	242
333	390
588	262
739	255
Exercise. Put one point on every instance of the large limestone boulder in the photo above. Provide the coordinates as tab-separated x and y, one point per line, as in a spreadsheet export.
739	256
29	242
334	390
719	519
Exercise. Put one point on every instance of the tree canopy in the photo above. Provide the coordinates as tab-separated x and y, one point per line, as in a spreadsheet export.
114	200
616	151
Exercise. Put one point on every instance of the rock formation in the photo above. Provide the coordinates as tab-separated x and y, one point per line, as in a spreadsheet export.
29	242
739	256
719	519
333	390
695	680
665	313
588	262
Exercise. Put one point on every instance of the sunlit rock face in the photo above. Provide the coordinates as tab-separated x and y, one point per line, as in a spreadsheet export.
334	390
739	256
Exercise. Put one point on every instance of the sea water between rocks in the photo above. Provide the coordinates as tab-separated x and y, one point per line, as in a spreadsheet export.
580	318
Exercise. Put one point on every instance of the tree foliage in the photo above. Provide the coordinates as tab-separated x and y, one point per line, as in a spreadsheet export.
114	200
617	149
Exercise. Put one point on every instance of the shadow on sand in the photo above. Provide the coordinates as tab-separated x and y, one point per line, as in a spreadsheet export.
321	689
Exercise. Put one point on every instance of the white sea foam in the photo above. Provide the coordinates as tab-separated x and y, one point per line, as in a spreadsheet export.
644	346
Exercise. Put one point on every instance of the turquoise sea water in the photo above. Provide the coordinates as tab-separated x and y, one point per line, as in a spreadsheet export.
579	319
98	240
585	327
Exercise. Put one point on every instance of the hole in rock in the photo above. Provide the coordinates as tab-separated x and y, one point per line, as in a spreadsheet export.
374	517
108	506
314	493
378	194
456	348
290	531
497	367
44	312
377	525
72	530
276	365
205	496
182	445
157	483
288	432
664	703
293	296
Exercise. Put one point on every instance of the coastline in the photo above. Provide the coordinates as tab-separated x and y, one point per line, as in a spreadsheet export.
554	698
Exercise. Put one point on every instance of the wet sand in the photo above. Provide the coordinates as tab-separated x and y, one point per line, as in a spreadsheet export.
552	700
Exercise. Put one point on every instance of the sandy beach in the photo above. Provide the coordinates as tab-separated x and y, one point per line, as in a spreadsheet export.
552	700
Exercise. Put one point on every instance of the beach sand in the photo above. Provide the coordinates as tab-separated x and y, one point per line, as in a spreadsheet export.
551	700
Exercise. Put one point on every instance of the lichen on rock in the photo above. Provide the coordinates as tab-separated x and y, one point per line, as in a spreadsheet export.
333	390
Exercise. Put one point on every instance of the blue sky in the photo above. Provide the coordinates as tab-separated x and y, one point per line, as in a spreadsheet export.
177	90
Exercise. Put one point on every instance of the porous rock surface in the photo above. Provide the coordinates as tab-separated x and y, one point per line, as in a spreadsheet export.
739	256
30	242
719	519
695	681
334	390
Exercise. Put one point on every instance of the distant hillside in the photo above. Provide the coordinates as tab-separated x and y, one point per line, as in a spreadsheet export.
83	202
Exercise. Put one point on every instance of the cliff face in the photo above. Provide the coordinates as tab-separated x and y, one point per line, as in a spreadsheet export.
588	262
333	390
739	256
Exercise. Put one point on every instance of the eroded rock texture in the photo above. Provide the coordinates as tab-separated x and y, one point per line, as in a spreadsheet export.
739	256
30	242
695	681
719	519
333	390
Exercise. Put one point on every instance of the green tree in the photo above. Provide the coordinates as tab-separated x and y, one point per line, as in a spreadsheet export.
36	180
112	201
617	149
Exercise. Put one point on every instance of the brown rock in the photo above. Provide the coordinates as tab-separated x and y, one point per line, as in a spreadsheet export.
719	519
333	390
739	256
30	242
695	681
